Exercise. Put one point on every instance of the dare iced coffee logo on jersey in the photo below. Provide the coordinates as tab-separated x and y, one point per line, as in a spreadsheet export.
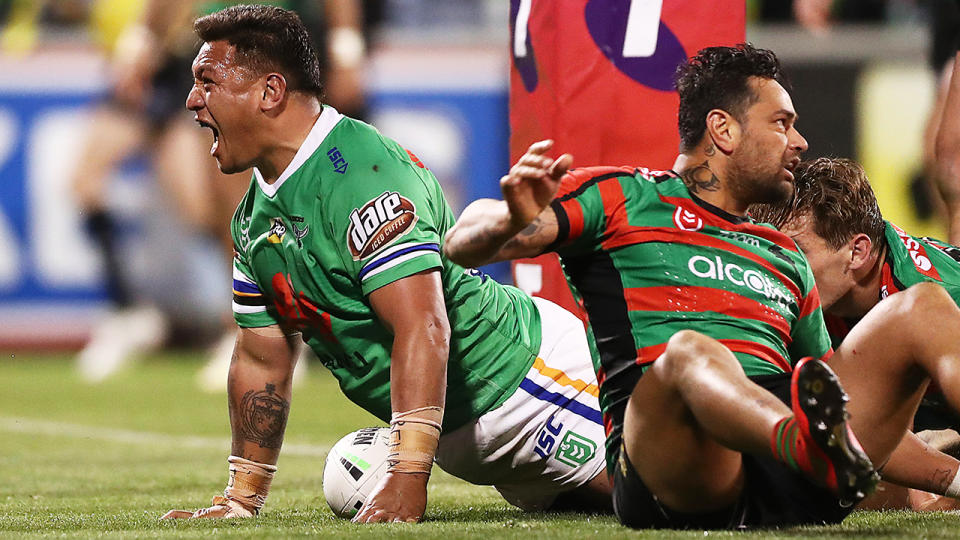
685	220
379	222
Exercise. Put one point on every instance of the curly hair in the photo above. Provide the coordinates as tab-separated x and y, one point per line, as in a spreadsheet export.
716	78
835	194
267	38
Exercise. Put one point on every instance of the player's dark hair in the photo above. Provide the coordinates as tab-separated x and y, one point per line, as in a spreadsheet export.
267	38
717	78
835	194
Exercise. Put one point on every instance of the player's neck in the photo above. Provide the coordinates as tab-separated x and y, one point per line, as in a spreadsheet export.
285	134
865	292
704	175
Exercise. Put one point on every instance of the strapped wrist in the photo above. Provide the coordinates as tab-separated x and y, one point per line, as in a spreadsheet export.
414	437
249	483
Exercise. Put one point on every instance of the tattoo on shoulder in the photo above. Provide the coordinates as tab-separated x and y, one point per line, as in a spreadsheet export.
264	417
700	177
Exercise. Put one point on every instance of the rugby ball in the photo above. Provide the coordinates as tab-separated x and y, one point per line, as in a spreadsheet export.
353	468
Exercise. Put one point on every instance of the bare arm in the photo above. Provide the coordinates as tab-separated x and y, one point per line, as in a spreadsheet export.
484	234
259	388
414	310
915	464
947	154
522	224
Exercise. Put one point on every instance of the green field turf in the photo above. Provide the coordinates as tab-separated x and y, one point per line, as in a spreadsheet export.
106	461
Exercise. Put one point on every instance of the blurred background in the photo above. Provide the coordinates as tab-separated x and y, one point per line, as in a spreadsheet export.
433	75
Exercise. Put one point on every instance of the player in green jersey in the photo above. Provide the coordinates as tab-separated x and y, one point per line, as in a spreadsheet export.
716	313
337	241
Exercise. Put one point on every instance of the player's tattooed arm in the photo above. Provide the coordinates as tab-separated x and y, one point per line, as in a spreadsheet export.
700	177
259	387
263	417
522	224
483	235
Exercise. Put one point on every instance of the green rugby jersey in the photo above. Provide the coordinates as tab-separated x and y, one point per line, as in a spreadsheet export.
649	259
353	212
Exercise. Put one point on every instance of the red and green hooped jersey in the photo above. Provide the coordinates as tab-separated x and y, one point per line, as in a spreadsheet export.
354	212
649	259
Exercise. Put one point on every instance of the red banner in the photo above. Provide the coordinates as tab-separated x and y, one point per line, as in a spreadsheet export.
596	76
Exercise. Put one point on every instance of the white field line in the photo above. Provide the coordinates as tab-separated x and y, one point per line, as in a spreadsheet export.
80	431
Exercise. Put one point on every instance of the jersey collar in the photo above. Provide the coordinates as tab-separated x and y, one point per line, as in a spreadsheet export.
321	128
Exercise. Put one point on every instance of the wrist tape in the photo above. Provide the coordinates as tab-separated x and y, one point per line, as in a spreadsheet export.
953	490
414	436
249	483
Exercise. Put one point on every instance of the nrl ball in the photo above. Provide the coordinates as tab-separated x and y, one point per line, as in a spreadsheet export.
353	467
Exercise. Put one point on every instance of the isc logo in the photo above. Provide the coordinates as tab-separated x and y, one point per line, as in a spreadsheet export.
339	163
379	222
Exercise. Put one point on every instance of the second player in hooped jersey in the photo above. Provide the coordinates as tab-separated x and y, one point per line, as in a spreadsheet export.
690	265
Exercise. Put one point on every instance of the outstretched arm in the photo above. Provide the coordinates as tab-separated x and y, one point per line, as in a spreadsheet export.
414	310
522	224
259	388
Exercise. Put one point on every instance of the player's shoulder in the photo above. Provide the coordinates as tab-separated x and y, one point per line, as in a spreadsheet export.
581	178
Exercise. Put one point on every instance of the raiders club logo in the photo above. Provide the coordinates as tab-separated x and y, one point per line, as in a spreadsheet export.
378	223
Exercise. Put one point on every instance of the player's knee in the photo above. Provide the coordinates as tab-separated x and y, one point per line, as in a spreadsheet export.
687	349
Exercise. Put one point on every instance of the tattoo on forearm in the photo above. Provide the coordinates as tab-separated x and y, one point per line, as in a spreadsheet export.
533	228
263	417
701	178
941	479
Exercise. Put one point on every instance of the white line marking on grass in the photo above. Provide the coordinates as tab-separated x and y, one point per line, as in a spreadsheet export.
80	431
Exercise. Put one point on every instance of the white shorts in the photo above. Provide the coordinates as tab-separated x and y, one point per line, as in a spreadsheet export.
548	437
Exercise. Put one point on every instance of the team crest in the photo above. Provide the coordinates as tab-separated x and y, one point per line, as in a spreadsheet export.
378	223
685	220
277	230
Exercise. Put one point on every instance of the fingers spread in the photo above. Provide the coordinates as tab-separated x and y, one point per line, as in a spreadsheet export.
540	147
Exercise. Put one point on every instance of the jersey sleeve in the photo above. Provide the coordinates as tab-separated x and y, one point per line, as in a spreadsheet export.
250	308
386	223
580	210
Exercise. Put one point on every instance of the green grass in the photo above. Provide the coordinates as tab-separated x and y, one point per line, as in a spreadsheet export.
106	461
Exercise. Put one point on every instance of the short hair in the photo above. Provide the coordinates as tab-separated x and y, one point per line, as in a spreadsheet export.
267	38
717	78
835	194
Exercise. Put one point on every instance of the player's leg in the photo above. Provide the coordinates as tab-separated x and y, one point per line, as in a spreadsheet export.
887	361
694	411
543	448
681	431
181	161
113	136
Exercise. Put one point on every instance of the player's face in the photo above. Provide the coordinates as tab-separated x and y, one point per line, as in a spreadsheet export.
831	267
225	98
769	148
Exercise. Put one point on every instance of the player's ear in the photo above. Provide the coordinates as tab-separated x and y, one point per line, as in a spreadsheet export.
860	252
274	91
723	129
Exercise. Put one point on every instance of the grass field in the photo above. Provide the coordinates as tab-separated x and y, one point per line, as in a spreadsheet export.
107	461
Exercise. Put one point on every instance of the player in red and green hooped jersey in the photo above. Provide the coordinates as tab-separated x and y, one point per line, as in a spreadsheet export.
337	243
704	444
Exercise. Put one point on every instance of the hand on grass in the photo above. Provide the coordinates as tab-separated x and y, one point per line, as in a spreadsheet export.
399	497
